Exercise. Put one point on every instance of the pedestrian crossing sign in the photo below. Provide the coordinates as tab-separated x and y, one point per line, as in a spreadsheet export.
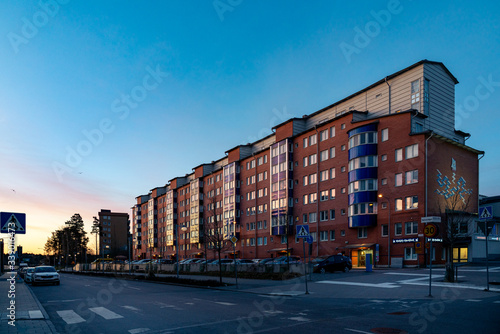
12	222
485	213
302	231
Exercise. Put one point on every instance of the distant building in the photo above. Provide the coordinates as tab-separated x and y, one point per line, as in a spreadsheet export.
360	174
114	228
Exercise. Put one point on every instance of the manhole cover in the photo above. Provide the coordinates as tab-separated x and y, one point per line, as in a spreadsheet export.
382	330
398	313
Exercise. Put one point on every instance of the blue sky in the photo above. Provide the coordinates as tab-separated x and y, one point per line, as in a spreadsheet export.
147	90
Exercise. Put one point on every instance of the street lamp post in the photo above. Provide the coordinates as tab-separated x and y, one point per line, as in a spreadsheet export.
388	230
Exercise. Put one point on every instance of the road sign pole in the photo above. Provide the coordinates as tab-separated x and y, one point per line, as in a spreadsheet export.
305	271
430	269
235	264
487	262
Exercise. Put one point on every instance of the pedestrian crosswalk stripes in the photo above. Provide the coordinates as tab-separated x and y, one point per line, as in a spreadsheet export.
105	313
70	317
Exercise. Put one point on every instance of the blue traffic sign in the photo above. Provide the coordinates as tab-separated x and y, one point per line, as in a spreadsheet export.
309	239
302	231
485	212
13	222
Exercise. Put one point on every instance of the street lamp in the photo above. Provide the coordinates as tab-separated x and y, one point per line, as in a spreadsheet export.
388	230
184	229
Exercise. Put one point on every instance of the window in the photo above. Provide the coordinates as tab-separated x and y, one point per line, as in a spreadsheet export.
411	151
342	126
323	215
324	195
384	136
411	202
313	198
306	199
342	148
332	173
411	228
283	239
342	169
332	131
312	178
332	234
306	161
362	232
410	253
399	204
342	233
313	235
411	177
305	181
398	180
342	190
332	214
323	235
312	217
383	157
323	176
323	135
304	218
305	142
312	140
323	155
332	193
342	212
399	154
398	229
384	182
385	230
332	152
312	159
415	95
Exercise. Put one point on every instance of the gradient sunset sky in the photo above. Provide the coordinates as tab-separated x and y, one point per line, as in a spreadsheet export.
101	101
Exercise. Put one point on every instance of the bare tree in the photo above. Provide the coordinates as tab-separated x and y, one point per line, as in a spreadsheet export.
455	209
213	230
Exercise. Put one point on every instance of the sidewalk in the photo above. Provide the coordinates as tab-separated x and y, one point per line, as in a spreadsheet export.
27	314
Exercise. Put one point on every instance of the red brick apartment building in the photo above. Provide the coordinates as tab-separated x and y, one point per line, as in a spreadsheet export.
361	173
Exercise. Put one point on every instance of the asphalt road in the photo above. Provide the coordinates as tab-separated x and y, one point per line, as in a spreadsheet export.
356	302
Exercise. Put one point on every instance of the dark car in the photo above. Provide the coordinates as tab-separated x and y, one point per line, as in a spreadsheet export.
334	263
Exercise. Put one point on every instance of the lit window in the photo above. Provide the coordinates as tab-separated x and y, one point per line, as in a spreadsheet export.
411	202
399	154
399	180
323	135
412	177
411	151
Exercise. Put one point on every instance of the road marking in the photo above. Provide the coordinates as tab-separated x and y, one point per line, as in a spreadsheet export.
131	308
378	285
224	303
37	314
405	274
138	330
189	303
70	317
130	287
64	301
473	300
105	313
355	330
299	319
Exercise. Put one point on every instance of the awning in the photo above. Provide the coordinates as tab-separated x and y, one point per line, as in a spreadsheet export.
359	245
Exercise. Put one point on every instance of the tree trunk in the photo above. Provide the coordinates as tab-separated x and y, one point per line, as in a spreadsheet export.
220	267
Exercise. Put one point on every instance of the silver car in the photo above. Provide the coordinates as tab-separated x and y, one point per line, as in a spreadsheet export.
45	275
28	276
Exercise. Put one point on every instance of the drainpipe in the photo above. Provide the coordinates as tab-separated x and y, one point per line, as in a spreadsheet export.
317	191
387	82
426	182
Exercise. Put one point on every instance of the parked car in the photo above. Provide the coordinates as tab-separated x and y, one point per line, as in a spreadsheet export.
28	277
22	271
267	261
45	274
143	261
333	263
223	261
285	259
104	259
244	261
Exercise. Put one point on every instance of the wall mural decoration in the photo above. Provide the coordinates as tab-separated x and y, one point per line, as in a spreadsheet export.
449	187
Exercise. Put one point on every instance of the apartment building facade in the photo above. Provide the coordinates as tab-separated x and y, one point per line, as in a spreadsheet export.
361	173
114	233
